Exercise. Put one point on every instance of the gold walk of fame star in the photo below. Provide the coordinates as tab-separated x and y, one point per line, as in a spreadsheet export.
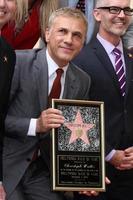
79	129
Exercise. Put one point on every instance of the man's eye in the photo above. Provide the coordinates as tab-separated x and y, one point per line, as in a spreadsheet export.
62	31
77	35
114	9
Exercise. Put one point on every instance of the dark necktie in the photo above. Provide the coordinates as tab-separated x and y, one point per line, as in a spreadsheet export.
55	93
56	88
120	70
81	5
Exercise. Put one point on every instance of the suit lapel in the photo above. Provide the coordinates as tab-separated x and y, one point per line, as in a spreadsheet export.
106	63
41	74
71	87
4	65
41	78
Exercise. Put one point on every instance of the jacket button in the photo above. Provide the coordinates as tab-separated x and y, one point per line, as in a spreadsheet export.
28	160
125	111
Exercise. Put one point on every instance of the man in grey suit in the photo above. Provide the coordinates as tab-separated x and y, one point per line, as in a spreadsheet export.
29	118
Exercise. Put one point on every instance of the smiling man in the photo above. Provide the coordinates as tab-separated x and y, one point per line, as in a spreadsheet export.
29	118
111	68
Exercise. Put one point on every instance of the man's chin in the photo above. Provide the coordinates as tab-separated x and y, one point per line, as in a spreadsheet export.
66	58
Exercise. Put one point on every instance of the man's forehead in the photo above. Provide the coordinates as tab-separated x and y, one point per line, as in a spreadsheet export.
72	24
67	22
115	2
61	18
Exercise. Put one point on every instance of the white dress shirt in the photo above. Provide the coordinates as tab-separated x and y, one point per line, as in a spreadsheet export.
109	47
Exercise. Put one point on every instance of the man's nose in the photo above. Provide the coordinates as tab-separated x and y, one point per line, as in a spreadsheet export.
68	38
121	14
2	2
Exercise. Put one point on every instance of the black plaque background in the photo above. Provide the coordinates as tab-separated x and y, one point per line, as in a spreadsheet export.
78	166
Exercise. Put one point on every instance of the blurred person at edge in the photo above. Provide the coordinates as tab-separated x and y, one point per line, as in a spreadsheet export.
128	36
32	20
98	59
7	63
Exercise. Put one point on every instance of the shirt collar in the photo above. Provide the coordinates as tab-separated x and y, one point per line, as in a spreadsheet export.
52	66
109	47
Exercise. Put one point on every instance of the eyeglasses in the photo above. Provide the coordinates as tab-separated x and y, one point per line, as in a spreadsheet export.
116	10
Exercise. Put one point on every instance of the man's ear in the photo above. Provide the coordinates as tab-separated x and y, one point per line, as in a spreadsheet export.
97	15
47	33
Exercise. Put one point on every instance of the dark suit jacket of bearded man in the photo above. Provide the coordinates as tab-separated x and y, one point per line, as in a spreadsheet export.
94	60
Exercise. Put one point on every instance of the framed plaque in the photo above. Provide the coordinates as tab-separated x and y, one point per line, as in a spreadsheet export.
78	147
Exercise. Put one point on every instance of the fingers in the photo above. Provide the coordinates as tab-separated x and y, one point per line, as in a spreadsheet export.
107	180
129	151
50	118
123	160
89	193
2	193
93	192
117	158
127	163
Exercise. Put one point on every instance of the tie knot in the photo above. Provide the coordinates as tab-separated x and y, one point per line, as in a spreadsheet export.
117	52
59	71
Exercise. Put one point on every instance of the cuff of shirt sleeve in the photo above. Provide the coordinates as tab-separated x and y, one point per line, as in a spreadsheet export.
110	155
32	128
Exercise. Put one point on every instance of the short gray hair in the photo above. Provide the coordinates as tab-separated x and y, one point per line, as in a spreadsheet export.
68	12
100	3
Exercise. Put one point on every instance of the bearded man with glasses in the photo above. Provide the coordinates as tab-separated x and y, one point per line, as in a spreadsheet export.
101	59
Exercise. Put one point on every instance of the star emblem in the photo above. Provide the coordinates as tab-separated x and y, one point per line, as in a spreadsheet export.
79	129
130	55
5	59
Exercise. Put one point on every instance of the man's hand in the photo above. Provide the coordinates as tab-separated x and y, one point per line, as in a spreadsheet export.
2	193
93	192
50	118
127	162
90	193
117	158
123	160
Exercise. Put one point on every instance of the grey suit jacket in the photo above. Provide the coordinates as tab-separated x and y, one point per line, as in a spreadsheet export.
29	97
